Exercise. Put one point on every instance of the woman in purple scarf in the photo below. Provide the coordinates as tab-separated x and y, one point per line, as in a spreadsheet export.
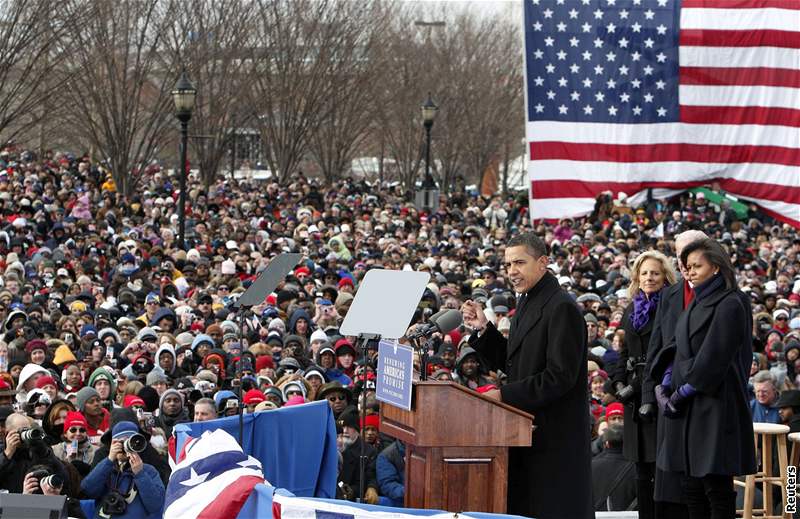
651	272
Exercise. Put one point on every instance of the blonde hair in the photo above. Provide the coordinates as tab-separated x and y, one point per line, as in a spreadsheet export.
666	268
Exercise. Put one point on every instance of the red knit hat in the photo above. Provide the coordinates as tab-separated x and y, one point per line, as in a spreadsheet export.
74	418
35	344
254	396
372	420
264	361
345	281
132	400
46	380
614	409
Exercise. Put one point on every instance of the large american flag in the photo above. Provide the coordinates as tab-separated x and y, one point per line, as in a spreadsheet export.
626	95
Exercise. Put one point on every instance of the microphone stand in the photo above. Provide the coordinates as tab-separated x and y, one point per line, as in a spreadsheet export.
240	318
362	414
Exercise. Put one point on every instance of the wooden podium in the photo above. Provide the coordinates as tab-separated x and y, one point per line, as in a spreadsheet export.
457	444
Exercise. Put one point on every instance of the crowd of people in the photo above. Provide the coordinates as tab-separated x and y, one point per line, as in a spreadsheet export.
114	331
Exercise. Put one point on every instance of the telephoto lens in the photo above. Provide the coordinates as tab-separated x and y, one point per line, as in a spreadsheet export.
30	435
135	443
53	480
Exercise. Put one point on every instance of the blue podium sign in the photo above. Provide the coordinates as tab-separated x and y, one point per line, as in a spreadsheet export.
395	373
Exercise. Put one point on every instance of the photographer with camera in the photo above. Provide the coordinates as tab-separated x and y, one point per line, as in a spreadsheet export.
122	484
43	480
25	447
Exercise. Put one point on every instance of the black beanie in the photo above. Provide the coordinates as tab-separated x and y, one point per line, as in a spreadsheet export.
150	397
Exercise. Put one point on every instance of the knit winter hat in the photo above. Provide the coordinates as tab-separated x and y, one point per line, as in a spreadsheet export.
74	419
132	400
63	355
83	396
46	380
123	430
102	373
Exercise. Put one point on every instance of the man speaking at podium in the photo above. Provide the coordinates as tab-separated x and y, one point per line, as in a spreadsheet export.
545	359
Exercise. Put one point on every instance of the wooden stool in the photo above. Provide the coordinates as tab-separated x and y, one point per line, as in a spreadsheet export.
794	459
769	434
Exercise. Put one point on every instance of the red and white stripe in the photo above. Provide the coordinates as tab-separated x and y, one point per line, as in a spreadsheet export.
222	496
740	121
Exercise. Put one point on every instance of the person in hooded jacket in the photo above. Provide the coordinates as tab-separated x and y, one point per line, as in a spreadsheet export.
27	380
167	361
171	411
300	323
105	384
53	419
326	359
468	369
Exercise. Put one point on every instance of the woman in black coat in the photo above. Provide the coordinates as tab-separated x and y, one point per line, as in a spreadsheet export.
703	393
651	273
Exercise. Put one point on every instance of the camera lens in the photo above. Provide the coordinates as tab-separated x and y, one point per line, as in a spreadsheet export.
31	435
53	480
136	443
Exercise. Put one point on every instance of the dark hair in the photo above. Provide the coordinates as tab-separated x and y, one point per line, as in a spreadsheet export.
714	254
613	435
535	245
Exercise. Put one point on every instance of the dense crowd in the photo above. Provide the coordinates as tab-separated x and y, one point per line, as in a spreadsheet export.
113	334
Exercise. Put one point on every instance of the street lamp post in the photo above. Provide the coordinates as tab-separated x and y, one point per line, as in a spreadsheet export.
428	195
183	95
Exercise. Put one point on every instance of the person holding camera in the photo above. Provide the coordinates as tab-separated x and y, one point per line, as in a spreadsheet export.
122	485
43	480
25	447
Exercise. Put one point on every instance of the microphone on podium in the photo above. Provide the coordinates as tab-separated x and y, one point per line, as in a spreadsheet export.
443	321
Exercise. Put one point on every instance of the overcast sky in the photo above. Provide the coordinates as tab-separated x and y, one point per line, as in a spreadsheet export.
510	8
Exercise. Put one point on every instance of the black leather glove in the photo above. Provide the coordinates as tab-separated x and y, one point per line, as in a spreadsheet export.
623	393
647	413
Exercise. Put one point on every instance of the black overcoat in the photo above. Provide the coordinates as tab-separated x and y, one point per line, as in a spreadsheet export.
670	307
639	442
545	359
713	353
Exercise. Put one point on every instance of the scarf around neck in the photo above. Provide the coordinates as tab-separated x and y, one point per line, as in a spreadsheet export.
643	309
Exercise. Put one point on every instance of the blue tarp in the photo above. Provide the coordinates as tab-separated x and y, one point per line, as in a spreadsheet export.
296	446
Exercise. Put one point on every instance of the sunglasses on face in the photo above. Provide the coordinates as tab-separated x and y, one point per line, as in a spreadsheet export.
334	398
782	318
77	430
292	393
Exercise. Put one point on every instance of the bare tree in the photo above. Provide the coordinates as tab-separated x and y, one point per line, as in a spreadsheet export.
120	78
299	45
401	87
349	108
31	46
472	67
210	38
